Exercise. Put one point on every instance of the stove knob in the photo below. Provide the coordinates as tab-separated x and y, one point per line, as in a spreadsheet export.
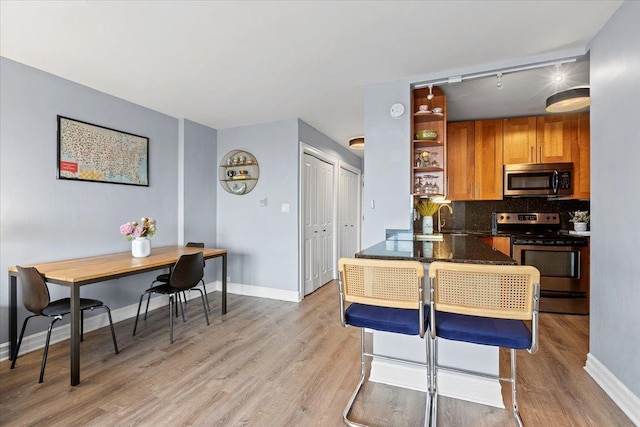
501	217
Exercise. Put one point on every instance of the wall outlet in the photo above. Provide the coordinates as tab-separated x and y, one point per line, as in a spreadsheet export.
285	207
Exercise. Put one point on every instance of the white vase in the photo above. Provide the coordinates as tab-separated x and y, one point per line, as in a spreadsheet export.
140	247
427	224
580	226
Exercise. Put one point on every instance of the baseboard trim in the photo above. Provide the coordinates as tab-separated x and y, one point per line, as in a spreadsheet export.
628	402
63	332
258	291
450	384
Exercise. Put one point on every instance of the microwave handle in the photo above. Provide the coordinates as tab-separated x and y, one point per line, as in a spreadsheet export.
556	181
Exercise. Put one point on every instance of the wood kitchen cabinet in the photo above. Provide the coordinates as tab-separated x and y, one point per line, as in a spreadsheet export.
461	166
474	160
488	160
580	152
542	139
499	243
519	140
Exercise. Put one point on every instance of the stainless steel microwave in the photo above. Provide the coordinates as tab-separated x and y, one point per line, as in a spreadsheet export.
538	179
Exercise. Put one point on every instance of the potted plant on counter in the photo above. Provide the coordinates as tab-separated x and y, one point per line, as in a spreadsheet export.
426	208
580	220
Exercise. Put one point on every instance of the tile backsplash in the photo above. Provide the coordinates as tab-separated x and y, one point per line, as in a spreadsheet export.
476	216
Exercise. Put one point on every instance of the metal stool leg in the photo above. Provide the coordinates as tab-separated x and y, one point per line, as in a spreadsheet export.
206	295
347	409
135	325
514	399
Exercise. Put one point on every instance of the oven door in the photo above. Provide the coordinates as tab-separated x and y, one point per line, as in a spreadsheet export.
564	275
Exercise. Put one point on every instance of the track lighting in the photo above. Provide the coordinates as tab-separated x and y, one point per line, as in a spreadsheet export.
430	96
499	82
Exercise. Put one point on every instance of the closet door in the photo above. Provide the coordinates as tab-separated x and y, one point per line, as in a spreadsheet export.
318	223
348	213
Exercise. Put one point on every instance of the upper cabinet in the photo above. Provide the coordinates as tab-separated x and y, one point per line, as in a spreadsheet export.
477	150
474	160
488	152
519	140
580	152
542	139
555	137
428	144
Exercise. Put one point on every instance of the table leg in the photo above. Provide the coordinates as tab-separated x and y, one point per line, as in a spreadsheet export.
75	334
224	284
13	314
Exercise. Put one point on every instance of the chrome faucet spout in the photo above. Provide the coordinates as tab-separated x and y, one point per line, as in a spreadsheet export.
442	222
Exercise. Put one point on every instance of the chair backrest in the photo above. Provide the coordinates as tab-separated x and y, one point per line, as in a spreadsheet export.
35	294
188	271
499	291
194	245
385	283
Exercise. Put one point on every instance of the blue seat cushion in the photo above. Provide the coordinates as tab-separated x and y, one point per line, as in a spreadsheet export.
483	330
398	320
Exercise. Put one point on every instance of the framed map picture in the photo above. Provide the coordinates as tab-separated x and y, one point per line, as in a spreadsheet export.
89	152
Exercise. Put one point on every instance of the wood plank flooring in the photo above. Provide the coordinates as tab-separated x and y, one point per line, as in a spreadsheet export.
275	363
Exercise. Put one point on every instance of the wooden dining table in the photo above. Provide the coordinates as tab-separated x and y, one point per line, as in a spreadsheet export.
78	272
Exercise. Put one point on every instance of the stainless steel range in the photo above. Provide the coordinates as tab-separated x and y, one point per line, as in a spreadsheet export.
563	259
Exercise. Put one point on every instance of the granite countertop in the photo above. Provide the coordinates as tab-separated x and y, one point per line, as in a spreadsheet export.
452	248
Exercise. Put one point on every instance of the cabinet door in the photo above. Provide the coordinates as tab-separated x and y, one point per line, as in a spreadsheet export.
519	140
580	157
555	137
502	244
460	160
488	156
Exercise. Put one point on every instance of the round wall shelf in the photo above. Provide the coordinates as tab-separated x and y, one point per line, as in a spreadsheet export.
238	172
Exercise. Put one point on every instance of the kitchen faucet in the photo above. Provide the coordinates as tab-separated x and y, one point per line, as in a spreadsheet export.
440	224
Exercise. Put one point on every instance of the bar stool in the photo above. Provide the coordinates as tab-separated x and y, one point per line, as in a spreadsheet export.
386	296
483	304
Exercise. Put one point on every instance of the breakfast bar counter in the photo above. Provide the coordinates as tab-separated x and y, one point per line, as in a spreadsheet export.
445	247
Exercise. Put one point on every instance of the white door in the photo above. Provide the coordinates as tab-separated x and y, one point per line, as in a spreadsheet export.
317	181
348	213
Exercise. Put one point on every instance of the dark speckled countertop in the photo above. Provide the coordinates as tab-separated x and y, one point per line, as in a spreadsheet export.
453	248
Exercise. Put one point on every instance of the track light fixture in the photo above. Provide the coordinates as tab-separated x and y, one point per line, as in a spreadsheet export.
430	96
499	82
557	77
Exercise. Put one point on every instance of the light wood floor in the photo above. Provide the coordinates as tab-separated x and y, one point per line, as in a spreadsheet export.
274	363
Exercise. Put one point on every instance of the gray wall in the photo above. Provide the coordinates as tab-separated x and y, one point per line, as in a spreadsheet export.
386	200
263	241
200	189
615	151
44	219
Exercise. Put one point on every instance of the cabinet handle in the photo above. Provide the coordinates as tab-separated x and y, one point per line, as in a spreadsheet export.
532	156
540	154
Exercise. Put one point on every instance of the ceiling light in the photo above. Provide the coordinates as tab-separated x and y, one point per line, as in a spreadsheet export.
499	83
557	77
569	100
357	143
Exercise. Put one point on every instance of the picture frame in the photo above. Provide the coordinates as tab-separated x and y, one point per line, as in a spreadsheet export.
90	152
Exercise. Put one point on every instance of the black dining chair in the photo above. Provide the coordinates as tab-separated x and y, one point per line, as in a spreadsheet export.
185	275
164	278
36	299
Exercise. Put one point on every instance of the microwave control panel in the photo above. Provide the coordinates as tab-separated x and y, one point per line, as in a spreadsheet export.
565	180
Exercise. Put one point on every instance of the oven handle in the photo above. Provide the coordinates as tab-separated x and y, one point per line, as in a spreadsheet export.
556	181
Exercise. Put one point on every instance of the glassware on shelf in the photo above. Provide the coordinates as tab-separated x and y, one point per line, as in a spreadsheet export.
417	186
433	160
425	157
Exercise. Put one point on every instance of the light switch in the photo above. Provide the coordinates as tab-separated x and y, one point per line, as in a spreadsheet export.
263	202
285	207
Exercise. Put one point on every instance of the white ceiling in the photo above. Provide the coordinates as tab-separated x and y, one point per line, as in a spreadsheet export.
226	64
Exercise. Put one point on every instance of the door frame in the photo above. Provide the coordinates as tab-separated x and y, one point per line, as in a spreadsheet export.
337	164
